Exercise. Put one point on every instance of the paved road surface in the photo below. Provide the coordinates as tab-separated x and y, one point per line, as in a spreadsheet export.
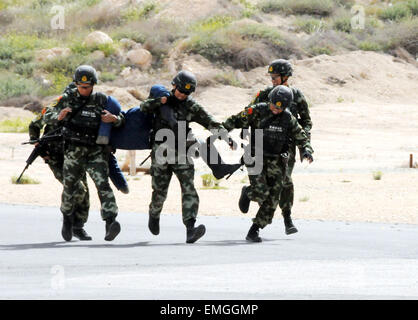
325	260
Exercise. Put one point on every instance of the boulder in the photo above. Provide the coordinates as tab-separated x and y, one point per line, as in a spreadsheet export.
97	38
50	54
140	57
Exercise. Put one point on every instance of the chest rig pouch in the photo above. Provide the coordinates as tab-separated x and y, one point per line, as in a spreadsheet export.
275	134
83	125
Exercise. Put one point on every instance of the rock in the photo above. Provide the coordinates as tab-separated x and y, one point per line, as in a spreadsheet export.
126	72
128	43
140	57
49	54
126	99
138	94
97	55
97	38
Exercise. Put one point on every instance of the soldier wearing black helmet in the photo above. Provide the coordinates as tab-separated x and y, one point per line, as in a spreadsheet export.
274	121
280	71
186	110
80	111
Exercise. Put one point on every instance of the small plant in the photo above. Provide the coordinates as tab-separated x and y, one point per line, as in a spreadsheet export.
228	78
24	180
210	182
304	199
309	25
207	180
377	175
340	99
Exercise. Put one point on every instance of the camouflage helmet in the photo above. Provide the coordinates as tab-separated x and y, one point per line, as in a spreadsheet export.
281	96
282	67
85	74
185	82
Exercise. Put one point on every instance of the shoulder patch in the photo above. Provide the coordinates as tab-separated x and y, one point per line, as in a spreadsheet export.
43	111
57	100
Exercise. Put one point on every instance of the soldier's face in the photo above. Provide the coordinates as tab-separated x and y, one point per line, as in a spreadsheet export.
179	95
274	109
84	89
276	79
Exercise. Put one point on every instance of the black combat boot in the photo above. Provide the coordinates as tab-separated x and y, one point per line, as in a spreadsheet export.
154	225
253	234
81	234
289	227
194	234
67	227
244	201
112	229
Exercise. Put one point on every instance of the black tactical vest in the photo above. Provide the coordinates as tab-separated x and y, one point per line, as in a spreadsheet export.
84	121
275	132
180	113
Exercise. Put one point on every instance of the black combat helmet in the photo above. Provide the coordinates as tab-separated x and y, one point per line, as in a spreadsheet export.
282	67
185	82
85	74
281	96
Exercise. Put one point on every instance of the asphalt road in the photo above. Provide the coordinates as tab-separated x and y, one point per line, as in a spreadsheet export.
324	260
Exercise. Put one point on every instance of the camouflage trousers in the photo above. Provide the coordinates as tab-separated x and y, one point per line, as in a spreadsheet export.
265	188
81	193
161	177
287	193
92	159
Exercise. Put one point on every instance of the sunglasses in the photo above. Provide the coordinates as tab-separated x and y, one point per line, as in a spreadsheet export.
183	92
84	87
274	77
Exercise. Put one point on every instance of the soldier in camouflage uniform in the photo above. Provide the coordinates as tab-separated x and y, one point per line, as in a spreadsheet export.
80	113
186	111
277	125
280	70
55	161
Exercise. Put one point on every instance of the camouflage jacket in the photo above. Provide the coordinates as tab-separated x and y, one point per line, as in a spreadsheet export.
258	115
71	98
188	110
299	107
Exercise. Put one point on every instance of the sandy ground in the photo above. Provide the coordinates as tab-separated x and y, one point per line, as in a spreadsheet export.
351	141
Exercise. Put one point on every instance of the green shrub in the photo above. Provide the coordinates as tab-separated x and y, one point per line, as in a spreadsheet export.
377	175
403	34
143	12
309	25
316	51
107	76
342	24
396	12
12	85
16	125
207	180
228	78
24	180
239	45
308	7
59	82
369	46
25	69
